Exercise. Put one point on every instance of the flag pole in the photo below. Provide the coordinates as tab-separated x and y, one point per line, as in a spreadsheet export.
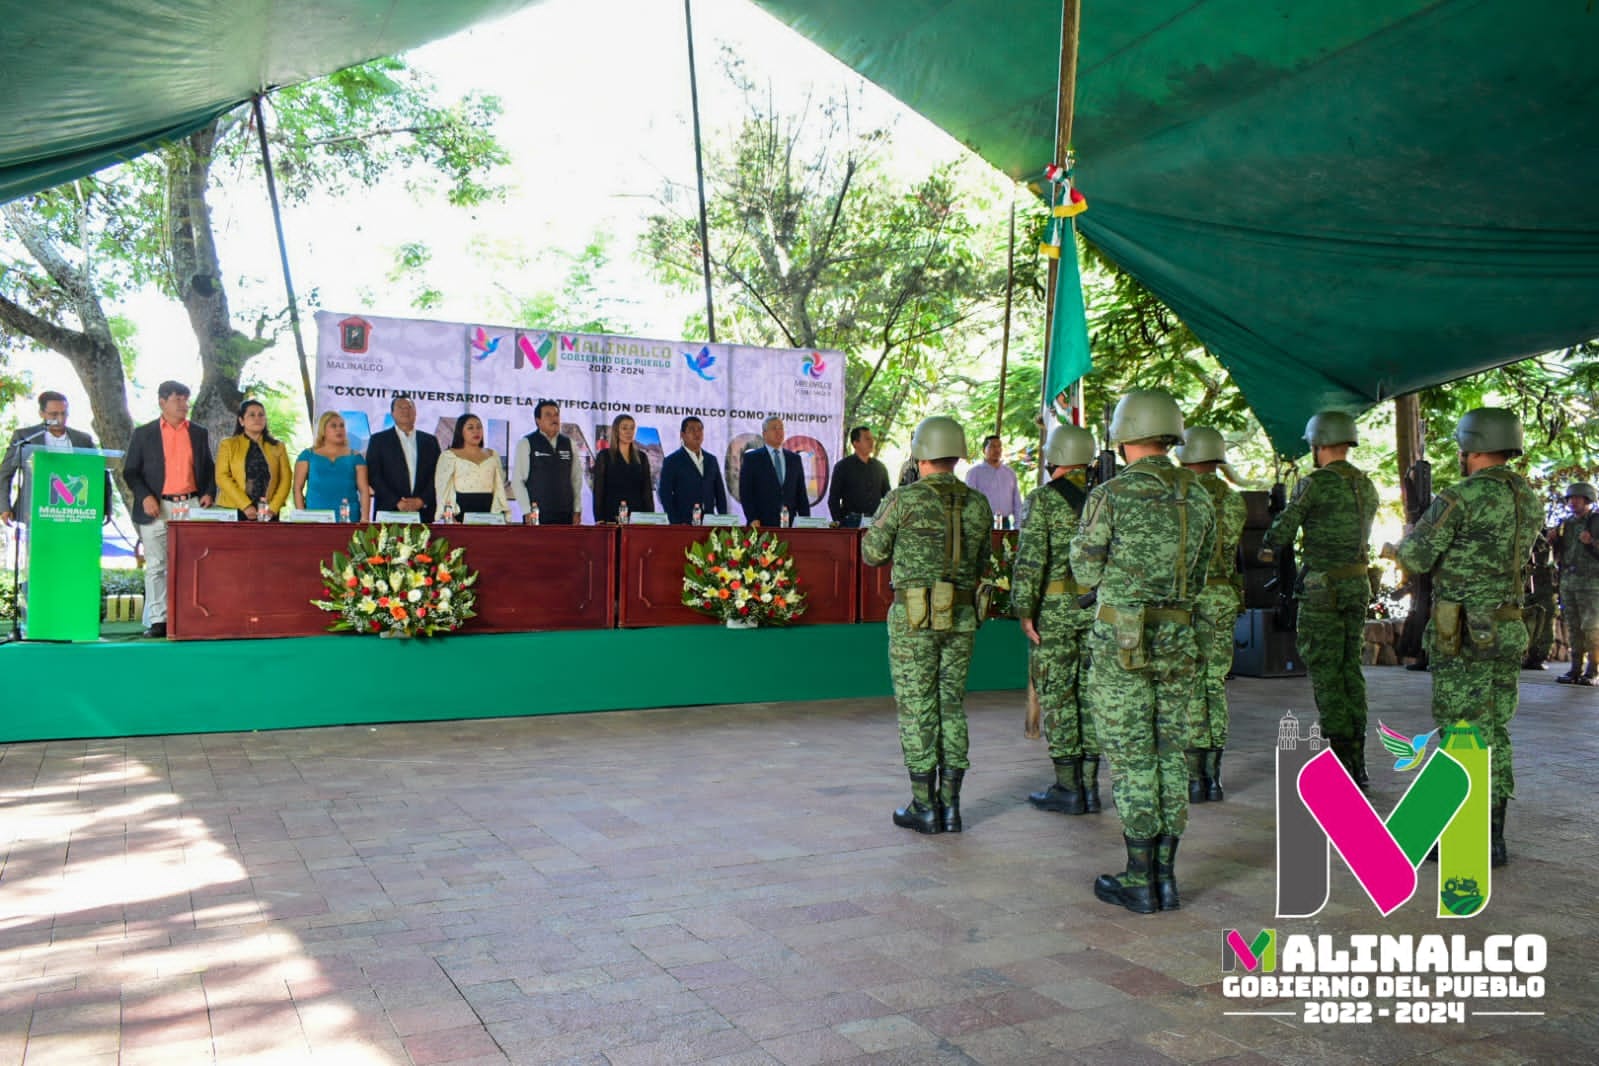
1070	24
699	171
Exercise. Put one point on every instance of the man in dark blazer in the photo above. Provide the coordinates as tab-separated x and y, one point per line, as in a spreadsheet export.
772	478
51	433
400	464
169	462
689	476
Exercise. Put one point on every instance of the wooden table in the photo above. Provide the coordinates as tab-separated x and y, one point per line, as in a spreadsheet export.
650	574
249	579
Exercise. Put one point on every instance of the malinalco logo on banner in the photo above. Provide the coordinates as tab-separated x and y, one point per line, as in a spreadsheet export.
501	373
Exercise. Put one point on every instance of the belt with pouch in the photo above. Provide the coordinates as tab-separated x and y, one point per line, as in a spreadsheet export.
1341	572
963	597
1510	612
1061	587
1152	615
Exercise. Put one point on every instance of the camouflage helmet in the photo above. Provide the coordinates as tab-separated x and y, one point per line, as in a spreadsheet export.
1201	444
1327	428
1581	488
1146	414
938	437
1490	430
1069	446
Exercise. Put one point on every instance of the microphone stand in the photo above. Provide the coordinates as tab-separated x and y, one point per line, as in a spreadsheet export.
16	546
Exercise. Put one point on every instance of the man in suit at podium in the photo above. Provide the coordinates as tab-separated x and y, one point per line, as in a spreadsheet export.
689	476
772	478
169	462
400	463
50	433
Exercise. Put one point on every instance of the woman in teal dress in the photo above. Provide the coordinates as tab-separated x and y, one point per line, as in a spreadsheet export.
329	473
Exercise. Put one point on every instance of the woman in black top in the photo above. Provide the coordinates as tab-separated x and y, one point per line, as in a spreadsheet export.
621	473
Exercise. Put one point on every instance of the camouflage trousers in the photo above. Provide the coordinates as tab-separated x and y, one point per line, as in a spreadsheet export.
1330	637
1483	688
1144	725
1058	669
1579	602
929	671
1215	611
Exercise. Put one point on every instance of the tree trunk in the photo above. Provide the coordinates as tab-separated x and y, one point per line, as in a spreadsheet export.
197	276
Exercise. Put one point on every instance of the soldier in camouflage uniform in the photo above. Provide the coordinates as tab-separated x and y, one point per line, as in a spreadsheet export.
1145	540
1335	505
1475	540
1578	553
1540	603
1044	596
935	531
1215	611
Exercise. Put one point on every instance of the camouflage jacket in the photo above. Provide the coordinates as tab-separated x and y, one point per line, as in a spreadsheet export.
1335	505
1577	560
1230	517
1476	539
912	529
1043	553
1146	537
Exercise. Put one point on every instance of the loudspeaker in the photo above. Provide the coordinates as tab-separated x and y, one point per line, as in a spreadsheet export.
1261	649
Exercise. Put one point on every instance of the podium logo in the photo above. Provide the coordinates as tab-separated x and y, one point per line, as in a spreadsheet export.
69	492
1319	808
536	350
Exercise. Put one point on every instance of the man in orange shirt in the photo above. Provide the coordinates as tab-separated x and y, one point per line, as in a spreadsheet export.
169	463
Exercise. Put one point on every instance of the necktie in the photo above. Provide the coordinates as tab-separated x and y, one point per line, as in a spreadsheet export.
777	464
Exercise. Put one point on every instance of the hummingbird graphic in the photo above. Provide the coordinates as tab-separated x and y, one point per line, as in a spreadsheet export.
1406	750
702	362
484	344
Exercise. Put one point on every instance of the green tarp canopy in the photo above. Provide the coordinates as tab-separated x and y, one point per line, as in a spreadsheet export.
1346	201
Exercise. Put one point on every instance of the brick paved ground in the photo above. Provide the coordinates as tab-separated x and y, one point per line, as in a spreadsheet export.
719	884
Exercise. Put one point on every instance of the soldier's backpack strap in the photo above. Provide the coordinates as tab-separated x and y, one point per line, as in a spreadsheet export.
1075	497
1353	478
1178	481
953	494
1507	477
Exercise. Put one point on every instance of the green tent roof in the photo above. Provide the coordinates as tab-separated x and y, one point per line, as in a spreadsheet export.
1346	201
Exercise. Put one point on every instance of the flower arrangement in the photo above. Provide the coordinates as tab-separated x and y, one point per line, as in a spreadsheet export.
742	575
999	572
398	580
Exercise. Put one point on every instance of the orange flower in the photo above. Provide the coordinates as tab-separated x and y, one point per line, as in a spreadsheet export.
737	585
398	612
444	576
424	558
722	594
778	600
377	560
351	583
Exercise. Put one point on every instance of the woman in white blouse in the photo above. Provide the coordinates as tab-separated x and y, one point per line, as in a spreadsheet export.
470	477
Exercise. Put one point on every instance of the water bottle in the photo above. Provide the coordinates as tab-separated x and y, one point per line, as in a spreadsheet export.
782	518
999	522
449	514
533	514
699	515
621	514
344	510
261	509
180	510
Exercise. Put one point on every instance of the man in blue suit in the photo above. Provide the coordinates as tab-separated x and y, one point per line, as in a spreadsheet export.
772	478
689	476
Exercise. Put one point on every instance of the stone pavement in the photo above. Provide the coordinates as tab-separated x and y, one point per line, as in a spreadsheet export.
706	885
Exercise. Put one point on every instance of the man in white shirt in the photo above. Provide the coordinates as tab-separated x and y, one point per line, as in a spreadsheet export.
547	471
400	463
691	476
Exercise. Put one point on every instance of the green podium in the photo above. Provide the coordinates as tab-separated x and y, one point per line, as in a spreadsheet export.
66	508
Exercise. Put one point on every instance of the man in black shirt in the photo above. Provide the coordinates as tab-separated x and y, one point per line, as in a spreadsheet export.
859	481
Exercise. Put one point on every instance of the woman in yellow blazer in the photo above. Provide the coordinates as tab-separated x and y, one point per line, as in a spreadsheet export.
252	465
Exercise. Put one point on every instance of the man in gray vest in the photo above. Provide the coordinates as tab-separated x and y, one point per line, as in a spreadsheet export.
547	472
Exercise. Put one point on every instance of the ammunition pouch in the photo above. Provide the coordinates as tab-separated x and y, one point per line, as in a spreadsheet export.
1062	587
1483	630
942	614
1130	625
934	608
1447	619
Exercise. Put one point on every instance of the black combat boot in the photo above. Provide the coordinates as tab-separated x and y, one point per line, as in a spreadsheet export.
1351	751
921	813
949	793
1135	887
1165	875
1497	854
1198	787
1066	794
1213	788
1091	804
1574	675
1360	763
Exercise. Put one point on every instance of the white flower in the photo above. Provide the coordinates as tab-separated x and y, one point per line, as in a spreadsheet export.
766	597
383	586
414	595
